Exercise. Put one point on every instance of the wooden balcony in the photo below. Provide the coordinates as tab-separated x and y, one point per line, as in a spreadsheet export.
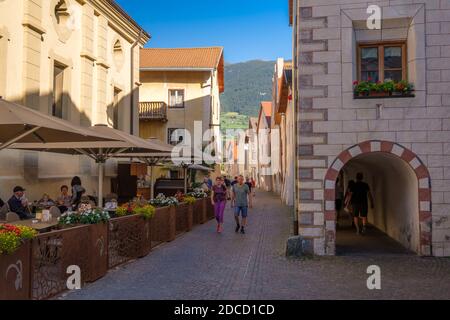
153	111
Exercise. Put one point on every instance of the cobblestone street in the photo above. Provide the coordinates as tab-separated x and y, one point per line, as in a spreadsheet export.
204	265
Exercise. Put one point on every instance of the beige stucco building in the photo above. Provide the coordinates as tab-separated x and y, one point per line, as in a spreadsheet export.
282	132
179	88
400	142
77	60
264	154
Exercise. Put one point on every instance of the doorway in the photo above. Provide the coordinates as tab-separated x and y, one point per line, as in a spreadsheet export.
400	221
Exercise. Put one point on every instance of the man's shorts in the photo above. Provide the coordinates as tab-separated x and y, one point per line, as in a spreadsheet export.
241	210
360	210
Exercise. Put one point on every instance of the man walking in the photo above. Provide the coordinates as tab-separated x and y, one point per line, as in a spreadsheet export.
240	201
358	198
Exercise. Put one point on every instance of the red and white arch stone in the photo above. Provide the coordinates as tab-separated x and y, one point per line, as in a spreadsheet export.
424	183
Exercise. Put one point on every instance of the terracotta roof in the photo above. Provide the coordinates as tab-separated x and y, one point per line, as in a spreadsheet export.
291	12
266	108
190	59
181	58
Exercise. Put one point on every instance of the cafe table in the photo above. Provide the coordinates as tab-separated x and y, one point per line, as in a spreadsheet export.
39	226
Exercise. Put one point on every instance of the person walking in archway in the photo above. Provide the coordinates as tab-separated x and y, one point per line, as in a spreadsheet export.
359	195
339	199
347	197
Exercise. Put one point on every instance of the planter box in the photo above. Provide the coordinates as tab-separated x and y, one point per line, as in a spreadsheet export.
15	274
200	211
128	238
97	251
182	218
209	210
163	225
384	95
52	253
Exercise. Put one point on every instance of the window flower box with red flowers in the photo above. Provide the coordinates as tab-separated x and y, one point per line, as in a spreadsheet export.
386	89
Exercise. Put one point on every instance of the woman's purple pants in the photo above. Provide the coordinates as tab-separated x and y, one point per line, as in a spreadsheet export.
219	208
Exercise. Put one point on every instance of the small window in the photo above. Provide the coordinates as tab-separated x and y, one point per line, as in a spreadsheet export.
175	136
382	62
176	98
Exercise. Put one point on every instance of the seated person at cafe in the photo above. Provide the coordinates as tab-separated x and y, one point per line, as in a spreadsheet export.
19	203
64	200
111	203
45	202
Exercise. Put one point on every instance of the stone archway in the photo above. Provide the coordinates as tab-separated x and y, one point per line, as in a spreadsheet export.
370	147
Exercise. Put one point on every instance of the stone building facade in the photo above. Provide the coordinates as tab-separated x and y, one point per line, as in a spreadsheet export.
74	59
402	145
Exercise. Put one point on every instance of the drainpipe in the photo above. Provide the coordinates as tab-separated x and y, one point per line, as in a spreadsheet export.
132	82
295	99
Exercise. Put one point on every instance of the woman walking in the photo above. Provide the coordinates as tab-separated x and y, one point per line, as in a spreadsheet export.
219	197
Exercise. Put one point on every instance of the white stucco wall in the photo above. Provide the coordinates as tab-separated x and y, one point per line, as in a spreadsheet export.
394	187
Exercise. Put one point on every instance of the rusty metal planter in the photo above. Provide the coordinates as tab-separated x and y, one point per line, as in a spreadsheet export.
128	238
52	253
97	251
182	218
200	211
15	274
163	225
209	209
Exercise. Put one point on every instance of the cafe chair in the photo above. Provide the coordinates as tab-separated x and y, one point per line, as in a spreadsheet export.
12	217
3	211
55	212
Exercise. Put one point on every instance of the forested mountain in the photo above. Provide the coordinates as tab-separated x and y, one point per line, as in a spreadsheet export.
246	85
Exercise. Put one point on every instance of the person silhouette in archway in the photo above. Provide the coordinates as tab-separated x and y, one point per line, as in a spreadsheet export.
360	192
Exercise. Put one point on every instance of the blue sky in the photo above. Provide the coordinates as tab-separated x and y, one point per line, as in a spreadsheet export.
248	29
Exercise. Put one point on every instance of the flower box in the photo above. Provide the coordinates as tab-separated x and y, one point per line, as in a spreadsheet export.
163	224
128	238
200	211
51	255
97	251
183	219
387	89
15	274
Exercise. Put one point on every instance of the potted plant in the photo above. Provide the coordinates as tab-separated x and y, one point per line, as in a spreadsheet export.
15	262
377	89
403	88
388	87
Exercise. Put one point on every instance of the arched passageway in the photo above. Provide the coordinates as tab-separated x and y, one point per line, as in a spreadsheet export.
401	218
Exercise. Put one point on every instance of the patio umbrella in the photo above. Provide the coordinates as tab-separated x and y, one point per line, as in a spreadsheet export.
22	124
100	151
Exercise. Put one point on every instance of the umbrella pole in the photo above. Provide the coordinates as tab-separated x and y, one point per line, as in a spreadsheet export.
100	184
185	180
152	191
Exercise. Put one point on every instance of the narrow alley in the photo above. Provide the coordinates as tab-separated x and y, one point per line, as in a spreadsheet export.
204	265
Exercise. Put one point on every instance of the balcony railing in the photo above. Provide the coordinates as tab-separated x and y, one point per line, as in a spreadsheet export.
153	111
